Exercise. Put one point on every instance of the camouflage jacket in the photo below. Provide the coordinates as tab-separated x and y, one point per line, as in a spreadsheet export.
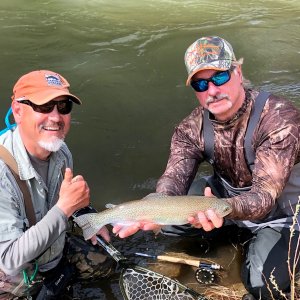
275	142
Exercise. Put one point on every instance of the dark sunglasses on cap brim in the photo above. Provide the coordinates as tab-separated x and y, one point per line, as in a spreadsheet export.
218	79
64	107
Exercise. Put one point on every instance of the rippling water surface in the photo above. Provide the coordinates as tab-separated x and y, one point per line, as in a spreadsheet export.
124	59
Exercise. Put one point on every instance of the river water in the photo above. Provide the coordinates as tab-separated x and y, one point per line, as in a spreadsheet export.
124	59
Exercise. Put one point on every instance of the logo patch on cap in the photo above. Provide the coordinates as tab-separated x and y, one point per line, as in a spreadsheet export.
53	80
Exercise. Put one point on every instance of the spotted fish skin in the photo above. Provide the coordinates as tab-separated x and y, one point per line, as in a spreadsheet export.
162	210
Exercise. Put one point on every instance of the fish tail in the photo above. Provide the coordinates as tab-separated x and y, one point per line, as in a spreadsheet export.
89	228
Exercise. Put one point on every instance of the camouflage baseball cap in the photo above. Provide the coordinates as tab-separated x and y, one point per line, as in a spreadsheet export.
210	52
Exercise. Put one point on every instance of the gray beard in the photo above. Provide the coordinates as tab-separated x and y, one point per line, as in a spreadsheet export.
51	146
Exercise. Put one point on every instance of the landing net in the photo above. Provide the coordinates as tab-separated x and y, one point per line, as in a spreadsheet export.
138	283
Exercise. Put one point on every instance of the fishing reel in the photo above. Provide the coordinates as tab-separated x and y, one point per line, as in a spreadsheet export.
205	275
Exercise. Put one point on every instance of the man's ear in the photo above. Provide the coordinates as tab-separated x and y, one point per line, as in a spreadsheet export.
17	111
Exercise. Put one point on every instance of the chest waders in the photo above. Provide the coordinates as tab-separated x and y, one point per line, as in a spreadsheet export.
283	211
225	188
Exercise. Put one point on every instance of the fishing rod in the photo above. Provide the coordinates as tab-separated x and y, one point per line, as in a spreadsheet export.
186	261
205	271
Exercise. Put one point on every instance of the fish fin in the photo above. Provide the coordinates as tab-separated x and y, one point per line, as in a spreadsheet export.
86	224
110	205
155	195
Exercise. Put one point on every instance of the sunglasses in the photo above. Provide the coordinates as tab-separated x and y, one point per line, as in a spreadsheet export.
64	107
218	79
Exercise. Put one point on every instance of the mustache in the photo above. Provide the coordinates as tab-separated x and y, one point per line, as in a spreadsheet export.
60	124
216	98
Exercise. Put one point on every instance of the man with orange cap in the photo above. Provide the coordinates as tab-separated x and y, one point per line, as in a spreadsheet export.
41	106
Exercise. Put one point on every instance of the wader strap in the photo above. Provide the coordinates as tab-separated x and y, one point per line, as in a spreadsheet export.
10	161
257	109
209	136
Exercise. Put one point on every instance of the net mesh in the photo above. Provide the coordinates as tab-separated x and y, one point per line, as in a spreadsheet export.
141	284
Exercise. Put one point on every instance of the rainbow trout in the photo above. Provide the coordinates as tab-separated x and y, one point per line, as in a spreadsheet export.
162	210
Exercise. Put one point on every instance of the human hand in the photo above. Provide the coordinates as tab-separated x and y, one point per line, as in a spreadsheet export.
124	231
74	193
207	220
103	232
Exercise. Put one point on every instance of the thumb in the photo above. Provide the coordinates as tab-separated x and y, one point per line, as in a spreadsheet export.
68	175
208	193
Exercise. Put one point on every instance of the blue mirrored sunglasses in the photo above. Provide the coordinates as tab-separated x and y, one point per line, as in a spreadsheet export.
219	78
64	107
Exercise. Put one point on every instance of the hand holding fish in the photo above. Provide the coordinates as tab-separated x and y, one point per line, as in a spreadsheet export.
103	232
208	220
124	231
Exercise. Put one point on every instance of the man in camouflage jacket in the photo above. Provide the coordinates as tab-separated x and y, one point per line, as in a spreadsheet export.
263	192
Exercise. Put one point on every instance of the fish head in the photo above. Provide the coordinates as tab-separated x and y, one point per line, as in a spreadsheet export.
224	209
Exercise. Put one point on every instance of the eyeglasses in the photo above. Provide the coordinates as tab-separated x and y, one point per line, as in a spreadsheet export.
64	107
218	79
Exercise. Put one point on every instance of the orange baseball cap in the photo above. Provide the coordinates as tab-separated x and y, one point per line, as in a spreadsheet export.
41	87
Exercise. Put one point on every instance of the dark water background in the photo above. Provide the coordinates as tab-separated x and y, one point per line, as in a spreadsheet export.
124	59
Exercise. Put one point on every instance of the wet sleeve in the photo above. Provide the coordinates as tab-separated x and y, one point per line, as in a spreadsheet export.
185	157
33	242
